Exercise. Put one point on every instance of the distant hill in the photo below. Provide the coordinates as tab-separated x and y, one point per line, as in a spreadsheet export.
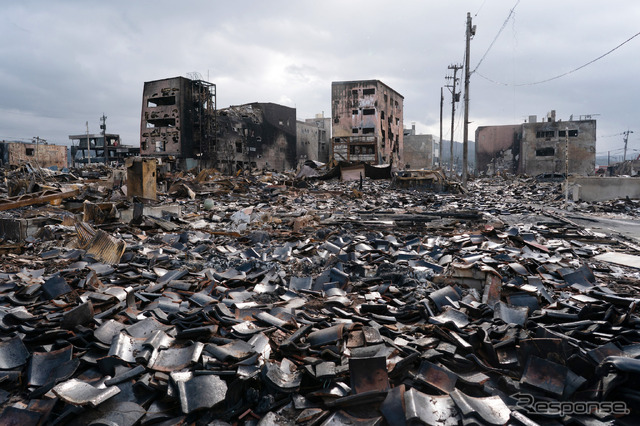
457	153
603	160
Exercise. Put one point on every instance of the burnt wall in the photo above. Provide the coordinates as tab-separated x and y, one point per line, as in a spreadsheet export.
498	148
42	154
257	135
544	145
167	118
418	151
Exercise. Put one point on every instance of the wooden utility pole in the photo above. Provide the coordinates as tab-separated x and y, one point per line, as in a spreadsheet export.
471	31
440	143
566	168
88	145
626	139
455	97
103	127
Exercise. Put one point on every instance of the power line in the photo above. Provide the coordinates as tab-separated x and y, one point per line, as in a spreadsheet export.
504	24
481	6
566	73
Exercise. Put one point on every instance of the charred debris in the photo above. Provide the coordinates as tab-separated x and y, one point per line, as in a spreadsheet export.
265	298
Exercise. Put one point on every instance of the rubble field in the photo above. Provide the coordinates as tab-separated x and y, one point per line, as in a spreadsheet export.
260	299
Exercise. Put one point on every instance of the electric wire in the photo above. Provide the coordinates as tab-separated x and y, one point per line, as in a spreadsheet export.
563	74
504	24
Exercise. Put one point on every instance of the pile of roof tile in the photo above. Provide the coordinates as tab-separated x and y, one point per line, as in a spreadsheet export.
324	305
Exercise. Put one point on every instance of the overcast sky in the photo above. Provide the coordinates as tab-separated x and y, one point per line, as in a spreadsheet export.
63	63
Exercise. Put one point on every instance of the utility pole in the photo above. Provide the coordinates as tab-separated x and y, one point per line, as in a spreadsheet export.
88	145
626	139
37	139
455	97
440	143
471	31
566	168
103	127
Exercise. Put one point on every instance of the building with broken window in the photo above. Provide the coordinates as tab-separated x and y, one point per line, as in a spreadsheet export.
100	148
39	154
178	118
367	122
534	148
420	151
256	135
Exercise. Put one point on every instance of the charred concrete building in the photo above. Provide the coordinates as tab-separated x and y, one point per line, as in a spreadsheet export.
313	139
100	148
256	135
178	119
535	148
420	151
498	149
367	122
39	154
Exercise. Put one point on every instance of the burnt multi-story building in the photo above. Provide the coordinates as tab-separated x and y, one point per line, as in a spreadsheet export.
420	151
256	135
100	148
367	122
535	147
178	118
313	136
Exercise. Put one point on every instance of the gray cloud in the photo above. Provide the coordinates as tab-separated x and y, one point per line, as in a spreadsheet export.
67	62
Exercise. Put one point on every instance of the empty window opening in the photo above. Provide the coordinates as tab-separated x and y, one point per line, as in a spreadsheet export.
382	115
354	112
354	130
368	111
336	120
545	152
159	146
545	134
29	152
368	130
354	92
239	147
368	91
572	133
361	149
161	122
164	100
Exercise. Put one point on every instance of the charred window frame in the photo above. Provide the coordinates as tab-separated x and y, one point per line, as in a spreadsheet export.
368	130
545	134
368	111
366	92
572	133
161	122
354	130
548	151
161	101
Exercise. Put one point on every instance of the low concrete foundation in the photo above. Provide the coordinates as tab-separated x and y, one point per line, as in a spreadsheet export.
589	188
